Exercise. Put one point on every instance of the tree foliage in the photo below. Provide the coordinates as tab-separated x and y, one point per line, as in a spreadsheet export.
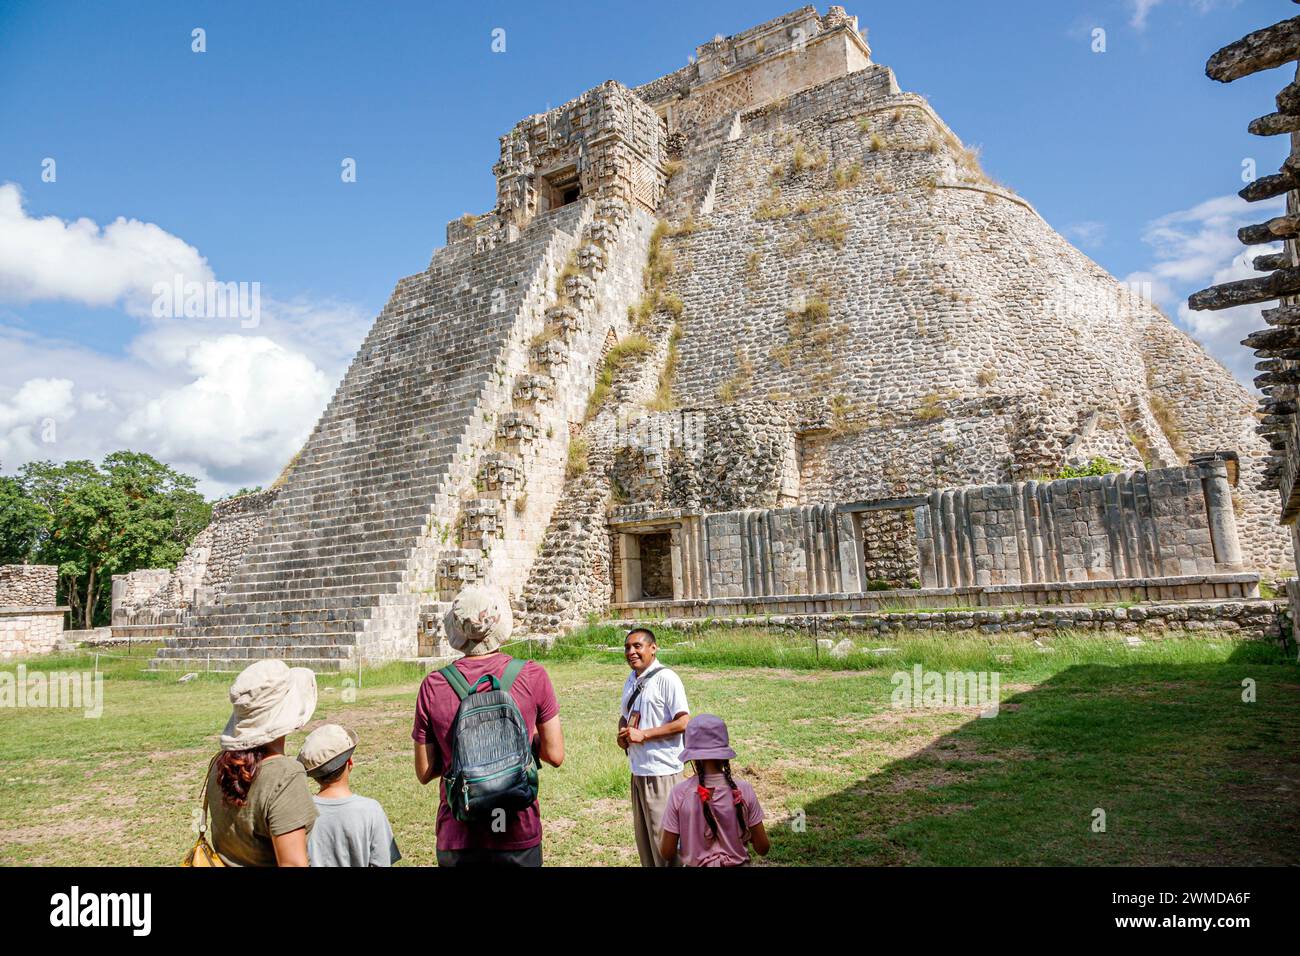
95	521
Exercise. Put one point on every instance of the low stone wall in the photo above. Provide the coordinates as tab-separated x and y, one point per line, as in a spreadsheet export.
1125	527
155	596
1254	619
1218	587
28	585
26	631
1168	521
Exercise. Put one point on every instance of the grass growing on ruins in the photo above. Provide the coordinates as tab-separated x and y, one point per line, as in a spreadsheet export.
626	349
1157	736
577	460
663	400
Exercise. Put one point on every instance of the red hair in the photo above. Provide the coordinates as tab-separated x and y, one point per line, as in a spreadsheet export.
236	770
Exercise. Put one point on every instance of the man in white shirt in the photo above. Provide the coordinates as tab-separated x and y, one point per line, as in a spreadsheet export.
653	716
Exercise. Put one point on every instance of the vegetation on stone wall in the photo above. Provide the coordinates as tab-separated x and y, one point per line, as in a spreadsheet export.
1168	422
577	461
663	400
930	408
1097	466
809	335
739	384
848	175
623	351
569	271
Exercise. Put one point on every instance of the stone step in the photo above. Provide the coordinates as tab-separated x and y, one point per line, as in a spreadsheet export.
286	628
287	652
265	640
233	664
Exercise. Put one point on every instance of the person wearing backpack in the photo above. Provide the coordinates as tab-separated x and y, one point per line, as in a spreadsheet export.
483	725
653	713
712	818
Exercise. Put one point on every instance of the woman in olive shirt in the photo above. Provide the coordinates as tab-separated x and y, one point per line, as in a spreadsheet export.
259	802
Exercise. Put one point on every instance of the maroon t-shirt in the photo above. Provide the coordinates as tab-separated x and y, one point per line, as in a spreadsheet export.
435	712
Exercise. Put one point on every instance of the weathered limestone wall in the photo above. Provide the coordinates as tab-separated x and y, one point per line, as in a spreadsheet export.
28	631
890	556
809	550
853	251
30	620
1174	523
607	143
1234	616
28	585
756	66
1166	523
153	596
714	459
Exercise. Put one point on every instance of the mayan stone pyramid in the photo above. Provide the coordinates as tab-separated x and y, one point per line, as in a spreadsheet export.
770	278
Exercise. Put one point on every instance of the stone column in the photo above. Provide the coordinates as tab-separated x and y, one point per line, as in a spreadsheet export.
850	545
926	548
1218	507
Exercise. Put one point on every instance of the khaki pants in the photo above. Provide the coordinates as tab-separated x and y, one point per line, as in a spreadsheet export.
649	800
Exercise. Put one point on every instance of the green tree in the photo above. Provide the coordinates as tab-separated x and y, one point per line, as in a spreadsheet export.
132	512
21	522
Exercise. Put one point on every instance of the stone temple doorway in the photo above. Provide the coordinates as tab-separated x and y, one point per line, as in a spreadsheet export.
645	565
656	566
560	188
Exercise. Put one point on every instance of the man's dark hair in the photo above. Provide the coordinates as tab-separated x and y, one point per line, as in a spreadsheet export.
326	780
647	632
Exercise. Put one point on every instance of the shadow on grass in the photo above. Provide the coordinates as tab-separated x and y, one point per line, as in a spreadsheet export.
1179	768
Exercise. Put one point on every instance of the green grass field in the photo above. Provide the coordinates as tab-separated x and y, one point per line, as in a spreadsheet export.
1157	736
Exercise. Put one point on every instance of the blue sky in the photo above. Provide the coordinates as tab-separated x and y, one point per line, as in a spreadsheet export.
226	164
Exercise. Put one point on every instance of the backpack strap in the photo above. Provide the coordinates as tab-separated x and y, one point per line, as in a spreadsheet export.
452	675
511	672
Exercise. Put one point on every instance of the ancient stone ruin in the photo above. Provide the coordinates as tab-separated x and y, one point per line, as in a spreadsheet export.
1278	346
758	338
31	620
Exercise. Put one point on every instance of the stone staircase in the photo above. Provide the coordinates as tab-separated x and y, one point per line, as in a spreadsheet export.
436	464
520	480
346	558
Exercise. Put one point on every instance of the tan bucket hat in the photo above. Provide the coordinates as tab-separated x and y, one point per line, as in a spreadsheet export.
326	749
479	621
269	699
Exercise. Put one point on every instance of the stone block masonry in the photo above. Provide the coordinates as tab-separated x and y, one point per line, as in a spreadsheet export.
31	622
1165	525
152	597
1251	619
853	250
29	585
841	307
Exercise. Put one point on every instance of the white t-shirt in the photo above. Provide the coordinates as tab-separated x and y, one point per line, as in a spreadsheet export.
662	698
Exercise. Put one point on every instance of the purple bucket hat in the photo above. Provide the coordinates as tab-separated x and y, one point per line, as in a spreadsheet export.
706	739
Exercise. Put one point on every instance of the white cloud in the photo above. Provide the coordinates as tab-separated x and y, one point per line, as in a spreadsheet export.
1089	234
1142	9
1196	248
225	404
30	416
79	261
229	408
248	404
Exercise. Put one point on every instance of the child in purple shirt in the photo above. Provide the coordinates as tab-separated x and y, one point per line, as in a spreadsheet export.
712	816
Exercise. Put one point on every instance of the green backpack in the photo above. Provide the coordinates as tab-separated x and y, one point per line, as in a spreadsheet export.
492	763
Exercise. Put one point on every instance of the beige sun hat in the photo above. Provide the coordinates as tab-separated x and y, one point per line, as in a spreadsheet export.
326	749
479	621
269	699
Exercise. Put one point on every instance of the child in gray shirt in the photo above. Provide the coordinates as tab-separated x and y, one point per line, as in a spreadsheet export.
351	830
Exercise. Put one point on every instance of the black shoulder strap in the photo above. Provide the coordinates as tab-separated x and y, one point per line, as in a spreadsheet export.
640	685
